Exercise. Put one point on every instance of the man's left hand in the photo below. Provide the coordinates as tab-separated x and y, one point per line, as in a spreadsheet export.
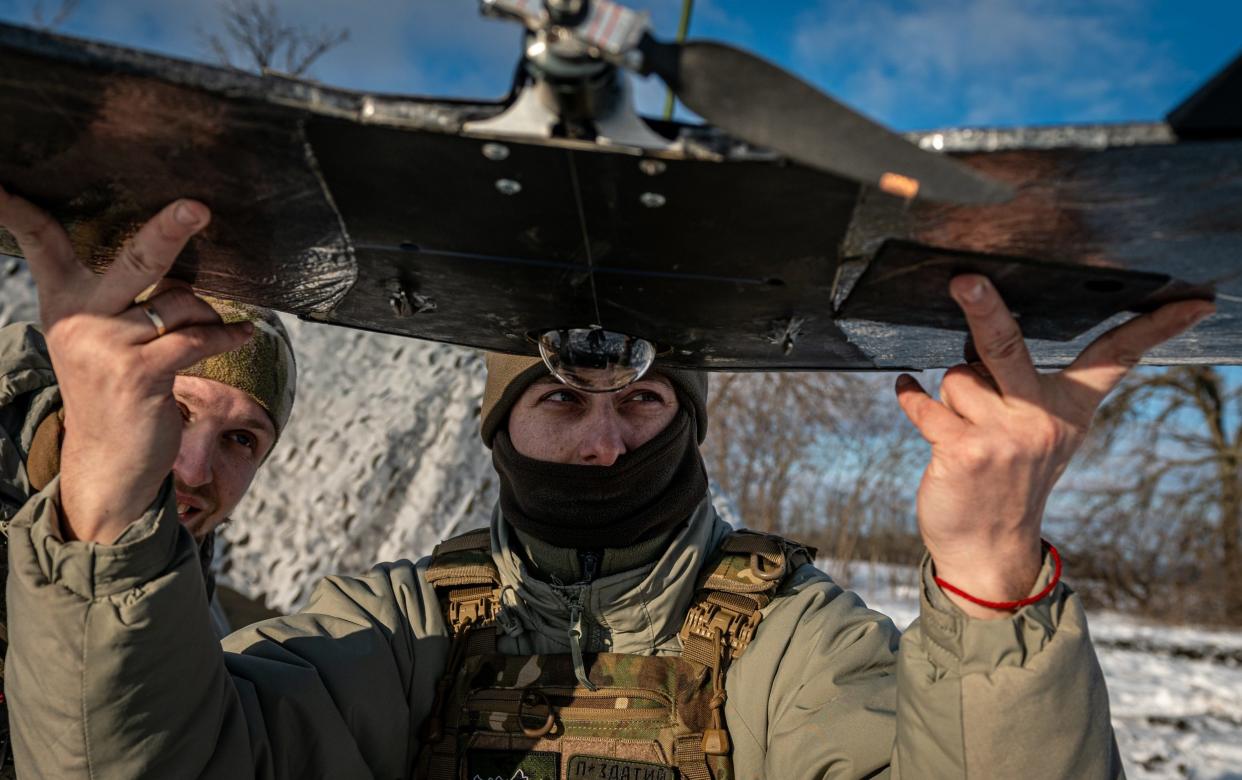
1001	435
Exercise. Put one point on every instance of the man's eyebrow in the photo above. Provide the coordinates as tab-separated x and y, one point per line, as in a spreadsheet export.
659	379
253	423
189	395
259	424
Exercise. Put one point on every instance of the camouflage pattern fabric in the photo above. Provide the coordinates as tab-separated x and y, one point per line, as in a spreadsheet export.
649	717
826	688
507	709
263	368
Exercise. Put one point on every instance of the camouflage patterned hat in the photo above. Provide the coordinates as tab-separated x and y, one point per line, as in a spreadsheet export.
263	368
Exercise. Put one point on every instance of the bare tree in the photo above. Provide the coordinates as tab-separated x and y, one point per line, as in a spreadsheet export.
255	36
1160	524
823	457
763	426
51	21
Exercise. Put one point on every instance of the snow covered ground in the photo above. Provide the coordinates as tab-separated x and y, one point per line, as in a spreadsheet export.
1176	693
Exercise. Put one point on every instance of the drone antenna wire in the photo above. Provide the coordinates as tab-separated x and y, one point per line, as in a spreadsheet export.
586	238
683	29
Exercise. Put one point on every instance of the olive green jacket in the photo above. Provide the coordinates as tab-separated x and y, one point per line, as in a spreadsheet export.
113	673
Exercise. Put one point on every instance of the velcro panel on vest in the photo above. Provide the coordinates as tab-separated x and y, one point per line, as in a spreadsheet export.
643	709
465	577
463	560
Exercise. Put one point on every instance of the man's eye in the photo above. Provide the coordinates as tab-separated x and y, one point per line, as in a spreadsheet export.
561	397
244	439
185	412
647	397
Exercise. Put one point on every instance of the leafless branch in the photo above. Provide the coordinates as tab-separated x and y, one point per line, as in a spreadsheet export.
821	457
1164	527
255	36
56	19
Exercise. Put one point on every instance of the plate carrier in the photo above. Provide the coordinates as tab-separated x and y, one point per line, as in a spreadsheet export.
648	717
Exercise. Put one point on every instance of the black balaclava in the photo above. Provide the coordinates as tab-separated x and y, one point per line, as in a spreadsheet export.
643	494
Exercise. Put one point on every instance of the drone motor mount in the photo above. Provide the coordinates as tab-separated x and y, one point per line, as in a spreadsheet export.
574	88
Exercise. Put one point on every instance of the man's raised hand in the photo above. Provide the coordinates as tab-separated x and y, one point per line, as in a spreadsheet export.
1002	433
114	366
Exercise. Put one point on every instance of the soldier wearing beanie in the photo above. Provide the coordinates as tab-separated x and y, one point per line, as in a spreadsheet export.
586	499
242	398
235	405
607	623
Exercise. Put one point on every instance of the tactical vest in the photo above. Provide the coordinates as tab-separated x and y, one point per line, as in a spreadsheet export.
512	717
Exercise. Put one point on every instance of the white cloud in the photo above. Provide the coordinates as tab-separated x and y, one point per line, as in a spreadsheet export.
986	61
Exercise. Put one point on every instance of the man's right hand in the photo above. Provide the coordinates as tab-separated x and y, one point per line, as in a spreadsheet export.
122	424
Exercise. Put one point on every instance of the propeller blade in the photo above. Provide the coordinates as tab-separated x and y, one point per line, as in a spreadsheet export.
751	98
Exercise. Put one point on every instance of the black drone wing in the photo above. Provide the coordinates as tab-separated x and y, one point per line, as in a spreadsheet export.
379	212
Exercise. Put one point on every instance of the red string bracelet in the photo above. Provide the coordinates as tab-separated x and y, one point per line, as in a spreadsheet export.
1010	605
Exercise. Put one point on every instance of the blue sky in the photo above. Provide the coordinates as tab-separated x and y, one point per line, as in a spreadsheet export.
910	63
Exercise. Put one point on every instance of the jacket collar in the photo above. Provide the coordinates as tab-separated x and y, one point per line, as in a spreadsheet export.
638	611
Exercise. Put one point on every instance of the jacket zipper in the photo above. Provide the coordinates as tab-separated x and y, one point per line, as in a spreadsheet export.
575	637
589	560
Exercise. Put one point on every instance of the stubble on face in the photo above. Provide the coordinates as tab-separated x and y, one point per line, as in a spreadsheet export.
226	436
198	508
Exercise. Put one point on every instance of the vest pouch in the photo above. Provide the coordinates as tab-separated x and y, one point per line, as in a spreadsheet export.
538	711
527	716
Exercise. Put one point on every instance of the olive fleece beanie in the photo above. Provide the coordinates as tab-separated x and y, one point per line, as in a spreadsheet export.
263	368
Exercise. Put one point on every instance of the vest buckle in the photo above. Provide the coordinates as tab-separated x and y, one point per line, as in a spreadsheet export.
472	607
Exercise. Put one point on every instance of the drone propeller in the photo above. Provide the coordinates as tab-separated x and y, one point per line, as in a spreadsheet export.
747	97
762	104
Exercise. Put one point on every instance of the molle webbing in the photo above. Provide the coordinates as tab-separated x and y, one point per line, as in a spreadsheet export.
468	586
466	580
734	588
724	616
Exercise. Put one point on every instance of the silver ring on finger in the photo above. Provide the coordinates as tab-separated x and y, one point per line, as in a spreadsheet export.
156	319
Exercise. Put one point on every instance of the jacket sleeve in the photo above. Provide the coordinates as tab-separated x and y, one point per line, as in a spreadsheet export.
952	697
28	393
813	696
1022	697
114	671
